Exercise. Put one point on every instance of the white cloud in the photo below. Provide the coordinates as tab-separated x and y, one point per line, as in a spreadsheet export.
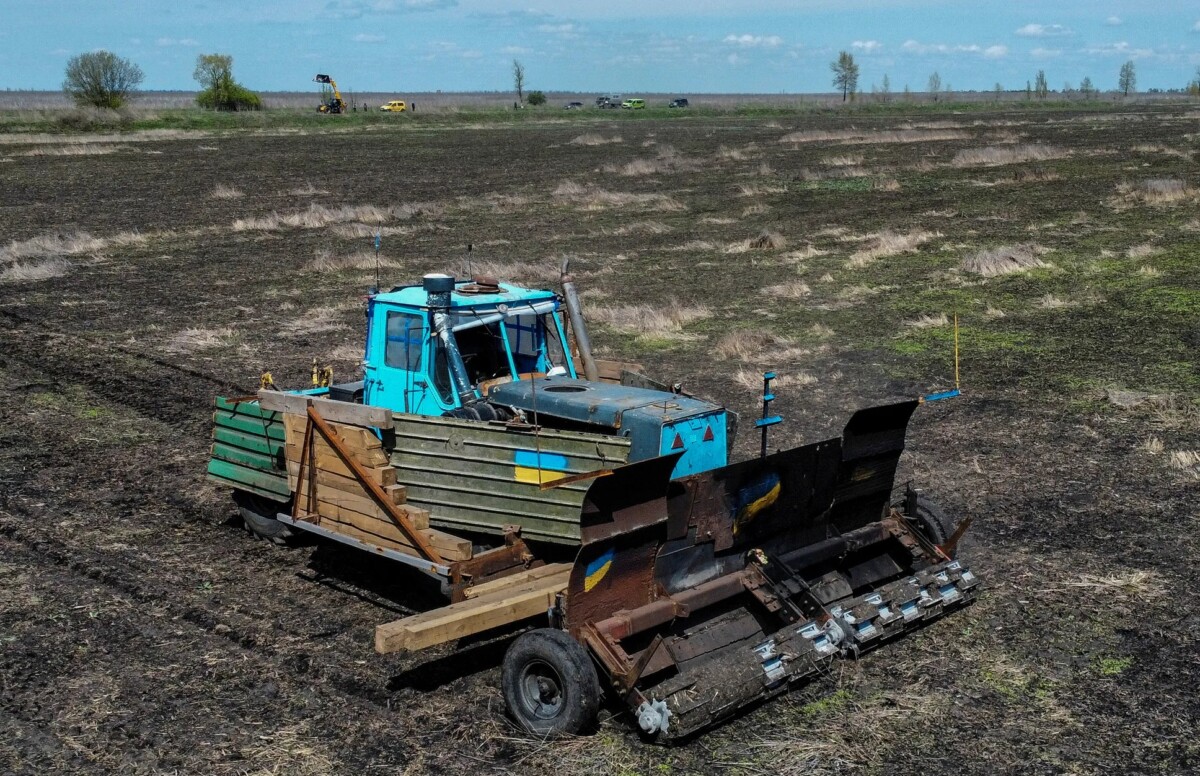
364	37
916	47
165	42
1045	53
766	41
1114	21
557	29
1043	31
867	46
353	9
1122	49
515	50
734	59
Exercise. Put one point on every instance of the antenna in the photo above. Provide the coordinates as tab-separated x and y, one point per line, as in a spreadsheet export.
378	241
470	275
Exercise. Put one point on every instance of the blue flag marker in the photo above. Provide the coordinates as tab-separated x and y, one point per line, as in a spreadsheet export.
378	239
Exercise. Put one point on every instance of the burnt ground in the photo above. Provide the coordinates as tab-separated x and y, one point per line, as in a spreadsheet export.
142	631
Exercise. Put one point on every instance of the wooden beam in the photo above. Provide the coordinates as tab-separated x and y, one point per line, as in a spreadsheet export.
381	497
333	411
514	580
475	615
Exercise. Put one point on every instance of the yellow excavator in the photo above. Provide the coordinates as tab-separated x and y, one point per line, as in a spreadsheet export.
335	104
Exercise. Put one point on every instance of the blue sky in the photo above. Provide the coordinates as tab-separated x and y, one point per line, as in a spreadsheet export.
684	46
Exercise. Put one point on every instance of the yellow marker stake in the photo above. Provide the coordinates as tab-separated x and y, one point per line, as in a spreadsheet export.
956	350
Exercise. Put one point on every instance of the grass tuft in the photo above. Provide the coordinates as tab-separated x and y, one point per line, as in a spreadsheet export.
993	262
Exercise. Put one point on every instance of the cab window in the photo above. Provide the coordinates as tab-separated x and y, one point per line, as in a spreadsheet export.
405	341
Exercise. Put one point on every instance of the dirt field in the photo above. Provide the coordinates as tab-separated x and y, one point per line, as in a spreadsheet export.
142	631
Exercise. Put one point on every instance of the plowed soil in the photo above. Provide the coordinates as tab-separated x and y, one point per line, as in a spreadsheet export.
143	631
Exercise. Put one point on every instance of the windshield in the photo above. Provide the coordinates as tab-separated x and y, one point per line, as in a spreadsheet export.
517	340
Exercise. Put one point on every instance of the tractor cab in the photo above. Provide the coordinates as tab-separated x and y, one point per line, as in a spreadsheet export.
437	347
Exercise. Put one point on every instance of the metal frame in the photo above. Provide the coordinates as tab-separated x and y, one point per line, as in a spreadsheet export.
420	564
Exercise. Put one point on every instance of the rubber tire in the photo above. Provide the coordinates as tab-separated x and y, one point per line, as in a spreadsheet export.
258	515
932	522
539	650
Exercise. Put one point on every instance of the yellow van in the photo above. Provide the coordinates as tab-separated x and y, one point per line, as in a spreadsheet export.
395	106
634	104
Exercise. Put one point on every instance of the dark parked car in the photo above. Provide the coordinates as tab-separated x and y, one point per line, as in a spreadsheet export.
678	102
573	106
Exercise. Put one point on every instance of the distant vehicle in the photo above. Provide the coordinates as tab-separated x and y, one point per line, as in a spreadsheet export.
678	102
394	106
335	103
573	106
634	104
608	101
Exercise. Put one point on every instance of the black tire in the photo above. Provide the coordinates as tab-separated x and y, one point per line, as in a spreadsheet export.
258	515
929	519
550	684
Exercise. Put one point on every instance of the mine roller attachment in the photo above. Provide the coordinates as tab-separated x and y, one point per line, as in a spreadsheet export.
690	620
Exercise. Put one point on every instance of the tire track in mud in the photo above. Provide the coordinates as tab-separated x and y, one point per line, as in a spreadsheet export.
127	647
146	384
214	623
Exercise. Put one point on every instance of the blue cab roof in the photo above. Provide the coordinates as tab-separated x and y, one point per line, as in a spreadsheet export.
414	297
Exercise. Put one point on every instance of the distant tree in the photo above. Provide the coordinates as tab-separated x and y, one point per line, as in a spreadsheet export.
518	74
948	90
1127	80
1087	88
998	89
101	79
1040	87
537	98
1194	86
1028	92
885	89
935	85
214	73
907	93
845	74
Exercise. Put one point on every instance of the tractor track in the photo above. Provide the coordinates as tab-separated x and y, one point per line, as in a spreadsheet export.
148	385
213	623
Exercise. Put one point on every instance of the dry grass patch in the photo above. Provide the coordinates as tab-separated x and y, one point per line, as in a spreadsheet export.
696	245
756	209
590	197
1005	260
665	321
320	217
890	244
867	137
1139	584
929	321
316	321
533	272
1152	445
757	346
81	149
594	139
807	252
752	380
1142	251
193	340
718	220
221	191
993	156
639	227
1148	148
766	240
1185	461
845	160
1052	302
32	272
759	189
326	261
992	313
1156	191
725	153
1149	272
58	244
792	290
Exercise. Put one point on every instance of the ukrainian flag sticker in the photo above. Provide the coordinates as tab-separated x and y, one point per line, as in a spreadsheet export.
538	468
597	569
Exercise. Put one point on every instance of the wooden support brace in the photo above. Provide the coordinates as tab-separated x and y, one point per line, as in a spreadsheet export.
381	498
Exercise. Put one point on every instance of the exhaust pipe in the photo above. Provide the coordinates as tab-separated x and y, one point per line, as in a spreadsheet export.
439	287
575	311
